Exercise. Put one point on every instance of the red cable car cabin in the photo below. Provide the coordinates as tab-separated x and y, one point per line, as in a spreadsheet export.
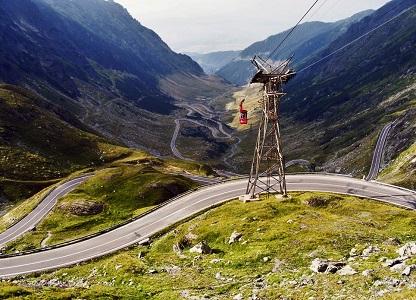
243	114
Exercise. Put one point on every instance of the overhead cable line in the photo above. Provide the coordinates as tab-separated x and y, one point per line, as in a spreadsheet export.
357	39
302	29
316	11
292	30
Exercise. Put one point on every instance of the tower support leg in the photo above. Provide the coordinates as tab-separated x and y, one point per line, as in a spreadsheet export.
267	174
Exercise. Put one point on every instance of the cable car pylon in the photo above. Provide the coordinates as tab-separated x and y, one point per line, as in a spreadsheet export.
267	173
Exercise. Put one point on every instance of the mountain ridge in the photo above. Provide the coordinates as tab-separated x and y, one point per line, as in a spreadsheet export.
93	59
213	61
309	38
333	112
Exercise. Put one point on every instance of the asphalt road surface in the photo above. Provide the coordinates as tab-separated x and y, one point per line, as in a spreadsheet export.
206	114
173	147
34	217
187	206
378	152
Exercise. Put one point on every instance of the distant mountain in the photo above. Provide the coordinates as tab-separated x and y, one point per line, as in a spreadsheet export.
65	45
350	95
308	39
92	59
334	111
214	61
113	24
363	73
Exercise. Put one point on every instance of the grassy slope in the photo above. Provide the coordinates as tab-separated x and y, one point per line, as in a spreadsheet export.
330	230
23	209
36	145
334	112
123	192
124	188
320	143
402	171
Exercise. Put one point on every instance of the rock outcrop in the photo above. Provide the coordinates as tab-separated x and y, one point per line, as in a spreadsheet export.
201	248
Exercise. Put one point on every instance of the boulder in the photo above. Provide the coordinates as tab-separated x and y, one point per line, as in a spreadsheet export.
398	267
82	208
408	270
321	266
409	249
201	248
235	237
393	262
370	250
331	269
390	282
346	271
335	266
318	265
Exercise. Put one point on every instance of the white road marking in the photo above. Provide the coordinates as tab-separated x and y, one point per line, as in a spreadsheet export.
25	222
120	238
364	187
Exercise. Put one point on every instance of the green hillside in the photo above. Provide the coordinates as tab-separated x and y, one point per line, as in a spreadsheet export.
37	145
271	260
402	171
114	195
334	111
92	58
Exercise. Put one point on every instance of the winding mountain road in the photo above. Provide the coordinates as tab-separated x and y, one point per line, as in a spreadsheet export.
378	152
182	208
207	114
185	207
173	147
35	216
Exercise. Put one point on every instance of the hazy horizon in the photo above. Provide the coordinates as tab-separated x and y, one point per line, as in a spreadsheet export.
215	25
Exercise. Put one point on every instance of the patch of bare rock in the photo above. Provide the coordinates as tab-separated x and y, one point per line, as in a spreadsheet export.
201	248
82	208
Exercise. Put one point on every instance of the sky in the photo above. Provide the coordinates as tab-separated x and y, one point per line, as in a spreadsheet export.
215	25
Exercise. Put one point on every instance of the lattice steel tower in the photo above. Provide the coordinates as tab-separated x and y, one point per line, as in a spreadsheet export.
268	166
